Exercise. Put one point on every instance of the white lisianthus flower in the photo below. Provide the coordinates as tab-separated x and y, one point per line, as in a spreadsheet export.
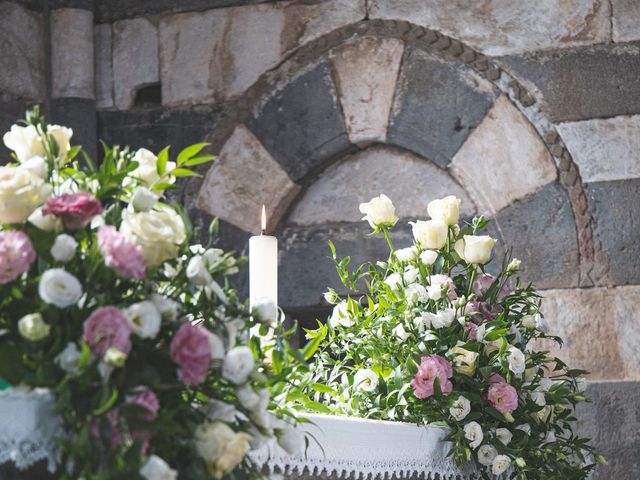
434	292
460	409
428	257
475	249
62	137
537	397
144	318
147	170
379	212
169	309
21	192
430	234
525	427
400	333
69	358
292	441
24	141
64	248
46	223
464	361
581	384
115	357
486	454
222	411
238	364
340	315
217	347
410	275
38	166
366	380
33	328
516	360
514	265
416	293
58	287
407	254
158	232
143	199
197	271
445	209
266	310
544	415
542	324
394	281
473	434
220	447
550	437
530	321
156	468
248	397
500	464
504	435
444	318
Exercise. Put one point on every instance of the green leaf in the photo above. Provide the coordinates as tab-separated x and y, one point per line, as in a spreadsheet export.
321	388
190	152
199	160
183	172
317	407
163	158
108	404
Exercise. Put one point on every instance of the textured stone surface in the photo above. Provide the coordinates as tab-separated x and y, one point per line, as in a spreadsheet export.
366	73
604	149
11	110
495	169
301	125
617	217
244	178
135	59
103	44
22	46
78	114
541	231
437	106
72	61
584	83
498	28
626	20
336	195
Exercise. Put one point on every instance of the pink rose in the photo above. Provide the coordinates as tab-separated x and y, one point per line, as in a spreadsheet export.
107	328
430	368
502	396
191	350
16	255
121	255
439	280
75	209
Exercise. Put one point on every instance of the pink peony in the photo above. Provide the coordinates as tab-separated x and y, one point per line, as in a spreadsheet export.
441	280
107	328
16	255
121	255
502	396
75	209
430	368
191	350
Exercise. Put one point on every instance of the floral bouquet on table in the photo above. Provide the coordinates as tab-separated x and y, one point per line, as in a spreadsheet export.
138	335
429	337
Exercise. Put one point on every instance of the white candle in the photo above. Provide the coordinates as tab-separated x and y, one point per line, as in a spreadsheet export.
263	267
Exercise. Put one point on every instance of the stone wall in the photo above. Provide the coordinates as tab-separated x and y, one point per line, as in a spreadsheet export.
528	111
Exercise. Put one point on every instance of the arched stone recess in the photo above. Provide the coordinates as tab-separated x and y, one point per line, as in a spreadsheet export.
385	106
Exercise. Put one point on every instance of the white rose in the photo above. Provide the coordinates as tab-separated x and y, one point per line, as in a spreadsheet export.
24	141
238	364
197	271
416	293
156	468
217	347
516	360
475	249
64	248
292	440
221	448
444	318
379	212
47	223
340	315
500	464
430	234
266	310
58	287
144	318
21	192
486	454
401	333
410	275
394	280
366	380
143	199
147	170
38	166
168	308
461	408
504	435
445	209
69	358
407	254
525	427
62	137
473	434
159	233
428	257
33	328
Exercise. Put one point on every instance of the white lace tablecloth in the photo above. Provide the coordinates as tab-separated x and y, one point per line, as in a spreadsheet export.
365	449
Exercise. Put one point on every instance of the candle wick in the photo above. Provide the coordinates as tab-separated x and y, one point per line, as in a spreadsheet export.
263	232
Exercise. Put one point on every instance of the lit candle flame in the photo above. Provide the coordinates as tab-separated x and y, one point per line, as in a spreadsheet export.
264	219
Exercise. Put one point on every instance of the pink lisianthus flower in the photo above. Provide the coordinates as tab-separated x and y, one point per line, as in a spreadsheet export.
501	395
483	283
191	350
106	328
439	280
16	255
113	420
121	255
430	368
146	398
472	331
75	209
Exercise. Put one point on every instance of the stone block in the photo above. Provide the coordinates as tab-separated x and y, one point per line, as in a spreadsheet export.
22	46
135	59
79	114
11	110
437	105
495	169
301	124
604	149
336	195
366	73
244	178
103	43
500	28
617	226
72	60
625	20
578	84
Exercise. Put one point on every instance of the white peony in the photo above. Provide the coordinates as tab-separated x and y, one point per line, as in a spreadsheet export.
500	464
144	318
33	328
445	209
444	318
366	380
473	434
379	212
143	199
147	170
156	468
220	447
460	409
475	249
217	347
169	309
197	271
486	454
58	287
394	281
64	248
516	360
407	254
430	234
340	315
21	192
504	435
47	223
238	364
69	358
428	257
400	333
